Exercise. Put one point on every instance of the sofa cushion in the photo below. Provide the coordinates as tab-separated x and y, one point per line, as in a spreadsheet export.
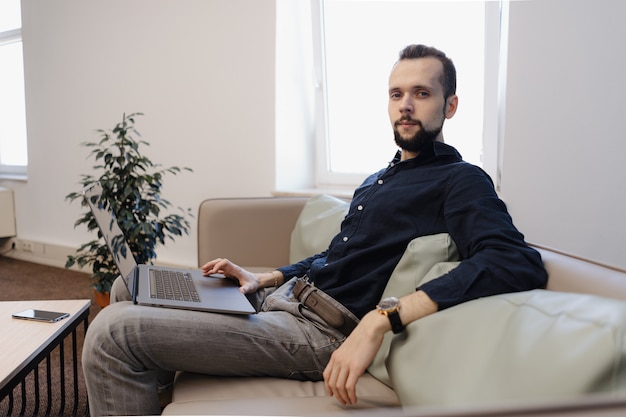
425	258
523	346
318	223
202	394
271	406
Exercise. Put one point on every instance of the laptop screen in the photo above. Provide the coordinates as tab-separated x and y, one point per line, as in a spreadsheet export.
111	232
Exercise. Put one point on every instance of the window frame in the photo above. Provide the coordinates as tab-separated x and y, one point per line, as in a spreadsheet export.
15	172
496	31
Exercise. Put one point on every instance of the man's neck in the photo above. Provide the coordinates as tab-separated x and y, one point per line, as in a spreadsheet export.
405	155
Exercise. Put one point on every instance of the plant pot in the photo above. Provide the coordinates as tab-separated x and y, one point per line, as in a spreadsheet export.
103	299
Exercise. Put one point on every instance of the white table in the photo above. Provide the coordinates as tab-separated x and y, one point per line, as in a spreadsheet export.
25	343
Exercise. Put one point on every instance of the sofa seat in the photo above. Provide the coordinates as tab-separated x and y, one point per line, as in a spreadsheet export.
200	394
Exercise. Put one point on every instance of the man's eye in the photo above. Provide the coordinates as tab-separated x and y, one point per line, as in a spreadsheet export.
394	95
422	94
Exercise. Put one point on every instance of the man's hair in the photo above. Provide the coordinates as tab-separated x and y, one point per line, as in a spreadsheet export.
448	77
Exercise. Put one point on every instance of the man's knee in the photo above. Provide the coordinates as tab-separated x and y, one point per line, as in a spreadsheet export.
100	334
119	290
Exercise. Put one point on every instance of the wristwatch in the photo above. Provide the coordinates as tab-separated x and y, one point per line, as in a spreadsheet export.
390	307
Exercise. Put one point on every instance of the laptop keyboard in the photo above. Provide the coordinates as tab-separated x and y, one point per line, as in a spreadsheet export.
172	285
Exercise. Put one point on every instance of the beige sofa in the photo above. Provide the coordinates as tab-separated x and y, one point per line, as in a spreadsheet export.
560	350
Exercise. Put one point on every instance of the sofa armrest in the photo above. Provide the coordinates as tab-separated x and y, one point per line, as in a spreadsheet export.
569	273
252	232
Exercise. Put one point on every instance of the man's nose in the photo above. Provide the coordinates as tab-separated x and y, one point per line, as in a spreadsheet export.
406	105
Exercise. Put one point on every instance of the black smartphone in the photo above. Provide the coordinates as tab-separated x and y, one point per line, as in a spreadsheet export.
40	315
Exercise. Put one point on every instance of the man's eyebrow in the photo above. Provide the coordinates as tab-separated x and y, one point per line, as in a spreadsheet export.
413	88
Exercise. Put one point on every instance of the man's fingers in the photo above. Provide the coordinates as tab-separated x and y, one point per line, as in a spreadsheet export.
214	265
329	377
351	388
340	383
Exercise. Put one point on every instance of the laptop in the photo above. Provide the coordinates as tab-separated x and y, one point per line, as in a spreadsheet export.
156	286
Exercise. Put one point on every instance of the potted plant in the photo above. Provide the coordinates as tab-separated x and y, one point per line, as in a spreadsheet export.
131	187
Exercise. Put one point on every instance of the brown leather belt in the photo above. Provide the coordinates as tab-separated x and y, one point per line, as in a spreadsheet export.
319	302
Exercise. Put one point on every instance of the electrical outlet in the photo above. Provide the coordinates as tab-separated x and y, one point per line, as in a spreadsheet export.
26	246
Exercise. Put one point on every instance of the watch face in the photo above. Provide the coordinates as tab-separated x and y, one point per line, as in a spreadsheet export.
388	303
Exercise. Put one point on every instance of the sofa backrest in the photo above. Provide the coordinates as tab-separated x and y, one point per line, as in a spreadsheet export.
256	233
252	232
569	273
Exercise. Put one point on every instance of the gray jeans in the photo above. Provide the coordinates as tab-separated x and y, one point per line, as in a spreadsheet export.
130	348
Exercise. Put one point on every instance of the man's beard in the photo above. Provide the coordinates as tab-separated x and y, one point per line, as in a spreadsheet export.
417	142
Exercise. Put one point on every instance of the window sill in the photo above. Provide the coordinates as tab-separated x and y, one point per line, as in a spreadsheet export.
345	193
14	177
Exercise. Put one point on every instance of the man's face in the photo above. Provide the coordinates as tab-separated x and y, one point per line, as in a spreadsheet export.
417	108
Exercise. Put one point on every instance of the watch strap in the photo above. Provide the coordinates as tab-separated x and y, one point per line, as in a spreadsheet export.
396	323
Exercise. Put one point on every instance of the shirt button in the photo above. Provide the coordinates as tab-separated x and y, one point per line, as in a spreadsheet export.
380	181
359	208
345	238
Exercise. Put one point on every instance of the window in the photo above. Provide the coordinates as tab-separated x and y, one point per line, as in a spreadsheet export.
355	44
13	154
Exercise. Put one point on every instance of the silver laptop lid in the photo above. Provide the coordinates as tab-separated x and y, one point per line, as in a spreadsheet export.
111	231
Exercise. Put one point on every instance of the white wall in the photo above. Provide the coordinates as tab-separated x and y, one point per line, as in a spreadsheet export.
202	72
563	173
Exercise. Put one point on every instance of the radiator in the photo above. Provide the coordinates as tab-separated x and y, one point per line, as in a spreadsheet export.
7	213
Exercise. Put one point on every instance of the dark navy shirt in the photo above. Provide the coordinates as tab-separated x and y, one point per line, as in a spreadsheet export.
434	193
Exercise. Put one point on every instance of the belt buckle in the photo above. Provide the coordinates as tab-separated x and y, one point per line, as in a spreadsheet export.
301	286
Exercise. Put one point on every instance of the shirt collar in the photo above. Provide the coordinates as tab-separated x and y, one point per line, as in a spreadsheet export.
435	150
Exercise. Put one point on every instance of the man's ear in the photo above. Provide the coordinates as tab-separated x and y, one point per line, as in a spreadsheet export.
451	105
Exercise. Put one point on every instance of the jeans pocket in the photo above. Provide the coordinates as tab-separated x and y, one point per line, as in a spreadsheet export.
282	299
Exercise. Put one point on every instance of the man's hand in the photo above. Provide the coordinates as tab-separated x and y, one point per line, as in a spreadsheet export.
352	358
248	282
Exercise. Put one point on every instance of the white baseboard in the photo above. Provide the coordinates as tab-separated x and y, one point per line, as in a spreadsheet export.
37	252
47	253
